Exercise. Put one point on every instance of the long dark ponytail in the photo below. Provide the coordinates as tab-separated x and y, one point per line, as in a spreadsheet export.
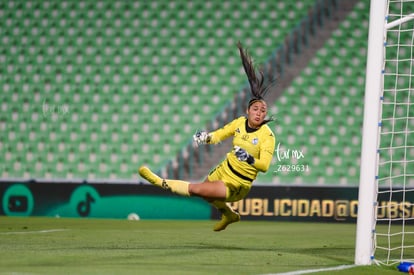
257	88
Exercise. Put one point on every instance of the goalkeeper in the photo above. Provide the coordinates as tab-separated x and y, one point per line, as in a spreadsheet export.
252	152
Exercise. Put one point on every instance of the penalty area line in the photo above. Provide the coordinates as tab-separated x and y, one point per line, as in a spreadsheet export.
299	272
33	232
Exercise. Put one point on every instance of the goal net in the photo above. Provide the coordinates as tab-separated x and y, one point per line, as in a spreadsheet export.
385	225
394	236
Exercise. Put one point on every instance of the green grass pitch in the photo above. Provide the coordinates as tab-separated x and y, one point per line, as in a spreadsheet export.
101	246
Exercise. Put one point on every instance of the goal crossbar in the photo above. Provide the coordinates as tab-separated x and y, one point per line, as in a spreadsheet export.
399	21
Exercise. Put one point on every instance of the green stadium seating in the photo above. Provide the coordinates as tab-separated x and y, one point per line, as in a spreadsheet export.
326	101
128	83
94	89
335	81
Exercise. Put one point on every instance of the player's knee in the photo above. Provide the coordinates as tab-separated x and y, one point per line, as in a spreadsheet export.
195	190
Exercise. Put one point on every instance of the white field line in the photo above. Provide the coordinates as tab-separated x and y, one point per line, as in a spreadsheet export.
299	272
33	232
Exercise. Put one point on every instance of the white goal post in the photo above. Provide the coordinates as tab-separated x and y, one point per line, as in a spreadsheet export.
380	23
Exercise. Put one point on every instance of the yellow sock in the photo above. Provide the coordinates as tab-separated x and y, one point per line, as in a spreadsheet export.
222	207
178	186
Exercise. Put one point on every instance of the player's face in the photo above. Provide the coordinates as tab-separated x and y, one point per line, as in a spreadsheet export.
256	113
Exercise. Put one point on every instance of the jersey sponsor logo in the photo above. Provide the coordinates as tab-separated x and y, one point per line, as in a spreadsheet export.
245	137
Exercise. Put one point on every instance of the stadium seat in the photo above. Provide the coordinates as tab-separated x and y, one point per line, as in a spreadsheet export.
143	76
329	112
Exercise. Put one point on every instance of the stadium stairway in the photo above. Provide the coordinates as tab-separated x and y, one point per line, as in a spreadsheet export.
194	168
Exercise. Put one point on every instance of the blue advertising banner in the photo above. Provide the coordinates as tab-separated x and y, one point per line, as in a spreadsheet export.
115	200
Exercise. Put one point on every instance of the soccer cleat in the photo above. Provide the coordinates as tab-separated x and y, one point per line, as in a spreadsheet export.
227	219
146	173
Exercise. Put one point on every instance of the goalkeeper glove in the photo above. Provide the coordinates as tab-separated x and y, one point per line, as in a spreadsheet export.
242	155
201	137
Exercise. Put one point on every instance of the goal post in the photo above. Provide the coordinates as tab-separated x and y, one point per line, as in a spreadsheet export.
387	155
370	138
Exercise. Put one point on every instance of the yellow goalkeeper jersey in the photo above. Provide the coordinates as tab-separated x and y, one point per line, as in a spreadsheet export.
259	143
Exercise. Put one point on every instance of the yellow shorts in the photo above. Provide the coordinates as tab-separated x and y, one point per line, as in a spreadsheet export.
237	188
